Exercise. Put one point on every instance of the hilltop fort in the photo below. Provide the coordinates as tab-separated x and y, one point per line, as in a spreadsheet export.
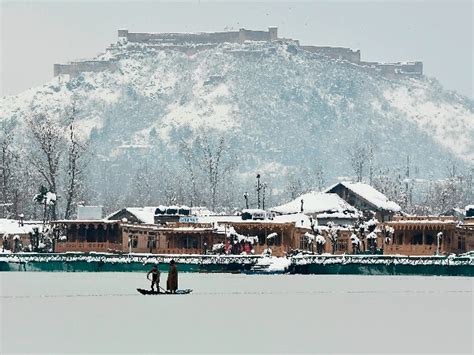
190	43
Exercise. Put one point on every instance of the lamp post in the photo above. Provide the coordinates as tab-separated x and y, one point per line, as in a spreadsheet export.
259	187
246	196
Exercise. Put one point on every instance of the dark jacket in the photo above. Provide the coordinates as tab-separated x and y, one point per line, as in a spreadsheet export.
155	274
172	282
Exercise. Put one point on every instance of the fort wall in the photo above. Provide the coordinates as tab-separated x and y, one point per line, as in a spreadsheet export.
200	38
190	43
335	52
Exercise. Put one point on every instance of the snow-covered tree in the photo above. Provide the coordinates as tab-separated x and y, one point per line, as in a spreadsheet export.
333	234
47	150
48	200
355	241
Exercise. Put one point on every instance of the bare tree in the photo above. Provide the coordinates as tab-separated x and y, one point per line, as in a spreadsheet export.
48	147
319	176
7	162
390	182
294	186
211	156
187	153
75	164
359	155
451	168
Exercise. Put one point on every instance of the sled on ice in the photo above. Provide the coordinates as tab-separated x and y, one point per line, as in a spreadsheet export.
150	292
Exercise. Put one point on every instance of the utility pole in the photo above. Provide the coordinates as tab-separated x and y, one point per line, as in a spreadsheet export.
371	165
259	187
264	185
407	179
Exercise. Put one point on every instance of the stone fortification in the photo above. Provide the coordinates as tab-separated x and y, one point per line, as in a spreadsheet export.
190	43
200	38
335	52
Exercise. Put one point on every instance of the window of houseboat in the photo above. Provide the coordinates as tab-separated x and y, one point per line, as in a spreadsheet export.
417	239
188	242
429	239
151	241
133	241
399	238
275	240
160	211
341	245
184	211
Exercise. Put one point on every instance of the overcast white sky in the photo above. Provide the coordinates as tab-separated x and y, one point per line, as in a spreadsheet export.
37	34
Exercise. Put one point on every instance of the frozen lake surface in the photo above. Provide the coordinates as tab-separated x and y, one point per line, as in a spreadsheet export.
102	312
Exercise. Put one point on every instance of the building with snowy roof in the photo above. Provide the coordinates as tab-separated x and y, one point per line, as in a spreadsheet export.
144	215
428	235
159	214
16	234
324	207
132	230
366	198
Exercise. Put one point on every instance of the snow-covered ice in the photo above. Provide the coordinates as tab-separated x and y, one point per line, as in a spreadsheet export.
102	312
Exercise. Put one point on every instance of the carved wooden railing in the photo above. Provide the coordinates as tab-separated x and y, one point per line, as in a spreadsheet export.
87	246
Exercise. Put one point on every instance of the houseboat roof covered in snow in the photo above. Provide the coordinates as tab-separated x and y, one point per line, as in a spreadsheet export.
134	215
315	203
363	196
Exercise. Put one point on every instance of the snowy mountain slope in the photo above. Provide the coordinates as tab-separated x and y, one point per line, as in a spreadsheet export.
279	107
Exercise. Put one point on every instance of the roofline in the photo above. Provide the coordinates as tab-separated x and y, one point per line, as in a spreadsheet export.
363	198
79	221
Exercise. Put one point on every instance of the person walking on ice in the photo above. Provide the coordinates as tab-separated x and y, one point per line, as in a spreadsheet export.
155	278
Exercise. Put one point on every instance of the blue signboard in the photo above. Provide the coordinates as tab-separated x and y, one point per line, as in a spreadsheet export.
188	219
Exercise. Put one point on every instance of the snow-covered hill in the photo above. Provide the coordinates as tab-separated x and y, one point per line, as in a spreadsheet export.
279	107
